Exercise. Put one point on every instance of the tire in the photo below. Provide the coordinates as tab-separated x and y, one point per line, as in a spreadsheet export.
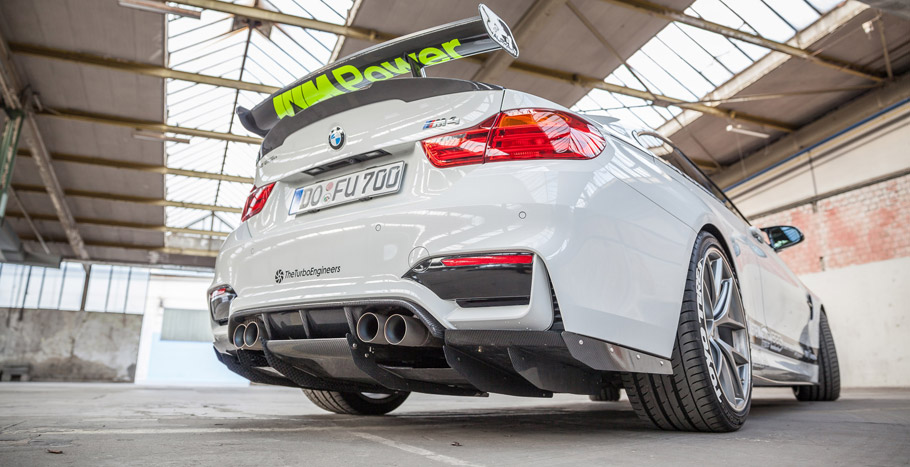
828	388
696	396
606	394
356	403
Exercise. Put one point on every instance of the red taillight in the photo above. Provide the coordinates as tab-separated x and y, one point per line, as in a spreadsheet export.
256	201
543	134
491	259
520	134
461	148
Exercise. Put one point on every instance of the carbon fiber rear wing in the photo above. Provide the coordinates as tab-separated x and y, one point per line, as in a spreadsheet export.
406	55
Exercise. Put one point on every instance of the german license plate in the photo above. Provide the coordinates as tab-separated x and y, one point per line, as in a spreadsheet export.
366	184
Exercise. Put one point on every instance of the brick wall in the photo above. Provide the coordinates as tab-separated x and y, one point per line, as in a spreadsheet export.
862	226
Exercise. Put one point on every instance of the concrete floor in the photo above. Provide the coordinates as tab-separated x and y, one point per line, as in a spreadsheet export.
108	424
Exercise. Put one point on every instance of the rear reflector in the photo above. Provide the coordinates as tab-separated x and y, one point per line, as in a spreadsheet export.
256	201
520	134
485	260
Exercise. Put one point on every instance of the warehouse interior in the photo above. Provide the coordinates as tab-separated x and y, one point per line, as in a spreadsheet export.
124	167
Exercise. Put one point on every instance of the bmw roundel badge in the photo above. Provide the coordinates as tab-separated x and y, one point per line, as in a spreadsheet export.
336	138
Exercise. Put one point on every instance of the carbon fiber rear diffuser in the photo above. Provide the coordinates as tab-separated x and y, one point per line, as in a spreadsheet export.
308	381
243	367
365	359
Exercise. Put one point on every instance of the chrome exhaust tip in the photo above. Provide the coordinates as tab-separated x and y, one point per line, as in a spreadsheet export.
239	331
251	334
370	328
408	332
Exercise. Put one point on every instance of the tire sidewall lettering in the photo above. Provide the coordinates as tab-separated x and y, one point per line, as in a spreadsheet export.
703	328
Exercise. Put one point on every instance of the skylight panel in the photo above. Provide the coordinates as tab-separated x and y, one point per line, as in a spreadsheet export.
717	11
232	194
240	160
230	221
262	74
178	27
648	116
824	6
695	55
796	12
725	51
212	24
191	189
600	99
666	113
201	154
623	77
666	83
199	56
688	63
318	43
763	19
682	72
187	218
628	118
273	54
309	52
328	11
754	52
202	103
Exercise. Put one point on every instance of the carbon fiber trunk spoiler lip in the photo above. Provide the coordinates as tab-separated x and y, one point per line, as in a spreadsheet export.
406	55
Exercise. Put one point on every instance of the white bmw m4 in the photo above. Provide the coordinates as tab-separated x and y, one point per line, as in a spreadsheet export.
453	237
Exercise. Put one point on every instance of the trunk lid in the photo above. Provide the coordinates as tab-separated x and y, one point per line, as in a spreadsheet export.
387	116
382	126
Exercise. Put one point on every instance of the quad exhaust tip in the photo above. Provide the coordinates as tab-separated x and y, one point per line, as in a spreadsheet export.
239	332
370	328
374	328
246	336
251	334
408	332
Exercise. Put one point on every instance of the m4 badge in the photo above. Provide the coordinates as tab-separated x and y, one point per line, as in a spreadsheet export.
441	122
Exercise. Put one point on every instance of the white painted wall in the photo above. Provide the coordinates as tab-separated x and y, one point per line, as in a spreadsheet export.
878	148
194	363
868	307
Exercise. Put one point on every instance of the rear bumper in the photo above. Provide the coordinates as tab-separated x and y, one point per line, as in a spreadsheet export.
616	260
471	362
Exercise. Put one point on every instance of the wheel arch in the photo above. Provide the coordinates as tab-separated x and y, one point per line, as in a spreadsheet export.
713	230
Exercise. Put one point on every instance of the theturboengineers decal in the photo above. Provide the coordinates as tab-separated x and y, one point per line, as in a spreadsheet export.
282	274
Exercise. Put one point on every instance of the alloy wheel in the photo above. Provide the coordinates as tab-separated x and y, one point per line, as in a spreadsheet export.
724	328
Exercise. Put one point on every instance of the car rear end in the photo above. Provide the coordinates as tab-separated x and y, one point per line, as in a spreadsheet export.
432	222
404	209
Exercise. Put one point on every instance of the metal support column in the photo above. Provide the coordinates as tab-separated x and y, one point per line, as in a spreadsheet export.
9	143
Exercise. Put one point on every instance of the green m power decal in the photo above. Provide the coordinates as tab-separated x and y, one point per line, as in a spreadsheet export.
472	36
348	78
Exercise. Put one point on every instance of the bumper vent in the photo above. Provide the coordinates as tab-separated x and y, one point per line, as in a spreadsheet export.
474	281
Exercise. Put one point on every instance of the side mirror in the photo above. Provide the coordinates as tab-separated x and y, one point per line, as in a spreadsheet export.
783	236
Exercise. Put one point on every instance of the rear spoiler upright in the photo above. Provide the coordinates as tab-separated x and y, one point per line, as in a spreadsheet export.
405	55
